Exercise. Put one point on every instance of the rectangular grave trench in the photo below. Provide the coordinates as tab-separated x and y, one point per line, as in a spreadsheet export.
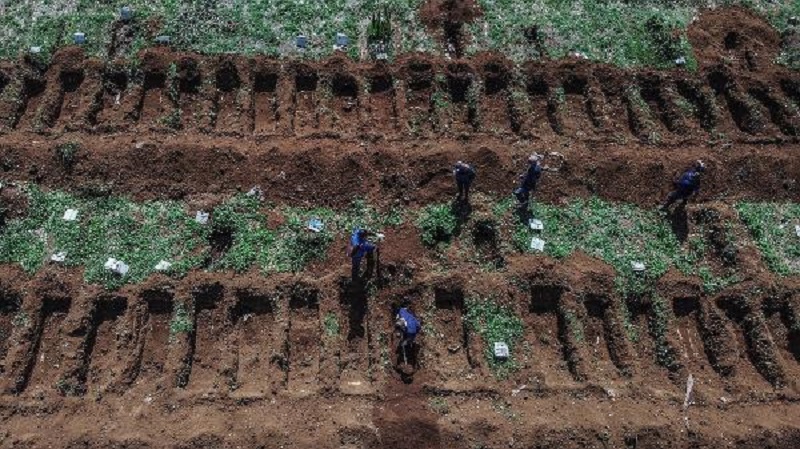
304	347
262	360
453	341
155	103
355	360
542	329
749	336
207	338
156	341
702	105
10	305
265	110
228	84
105	344
306	116
47	363
33	91
597	334
784	324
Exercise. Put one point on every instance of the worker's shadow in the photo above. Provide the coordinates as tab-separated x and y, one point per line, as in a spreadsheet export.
679	222
461	209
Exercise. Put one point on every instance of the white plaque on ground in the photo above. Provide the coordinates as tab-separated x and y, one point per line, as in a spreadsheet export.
537	244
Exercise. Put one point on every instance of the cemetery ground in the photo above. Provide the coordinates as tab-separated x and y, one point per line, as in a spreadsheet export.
242	328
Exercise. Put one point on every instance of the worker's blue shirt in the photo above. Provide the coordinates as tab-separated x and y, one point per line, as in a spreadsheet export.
465	175
412	324
360	243
689	181
532	177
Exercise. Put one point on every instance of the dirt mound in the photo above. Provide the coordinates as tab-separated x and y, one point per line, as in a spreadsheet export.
446	18
735	36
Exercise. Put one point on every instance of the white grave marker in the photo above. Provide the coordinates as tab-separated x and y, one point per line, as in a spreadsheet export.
797	230
59	256
501	350
163	266
71	215
536	225
637	267
201	217
537	244
116	266
316	225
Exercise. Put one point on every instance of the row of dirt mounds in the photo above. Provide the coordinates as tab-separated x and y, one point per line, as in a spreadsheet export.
255	339
331	172
223	360
418	96
240	343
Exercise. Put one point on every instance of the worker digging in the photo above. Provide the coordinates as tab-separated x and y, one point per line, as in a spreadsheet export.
360	246
407	326
464	174
687	185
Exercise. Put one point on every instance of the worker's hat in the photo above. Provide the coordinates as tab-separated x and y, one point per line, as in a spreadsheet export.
701	166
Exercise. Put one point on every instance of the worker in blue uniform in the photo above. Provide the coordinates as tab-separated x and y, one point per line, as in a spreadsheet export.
687	185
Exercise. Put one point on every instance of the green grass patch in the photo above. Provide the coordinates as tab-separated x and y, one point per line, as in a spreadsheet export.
437	224
495	323
772	226
140	234
143	234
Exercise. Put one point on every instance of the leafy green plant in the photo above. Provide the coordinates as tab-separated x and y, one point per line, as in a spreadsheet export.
772	226
66	154
659	326
181	322
438	224
331	324
495	323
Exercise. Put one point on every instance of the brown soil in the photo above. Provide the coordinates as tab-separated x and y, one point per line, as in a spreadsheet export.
260	366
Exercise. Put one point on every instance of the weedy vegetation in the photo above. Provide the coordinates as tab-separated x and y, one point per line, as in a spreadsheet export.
495	323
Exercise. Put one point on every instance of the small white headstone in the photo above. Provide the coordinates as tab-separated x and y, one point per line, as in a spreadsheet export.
201	217
637	266
342	41
59	256
116	266
163	266
301	41
680	61
71	215
79	38
163	40
536	225
35	50
256	192
501	350
316	225
537	244
797	230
